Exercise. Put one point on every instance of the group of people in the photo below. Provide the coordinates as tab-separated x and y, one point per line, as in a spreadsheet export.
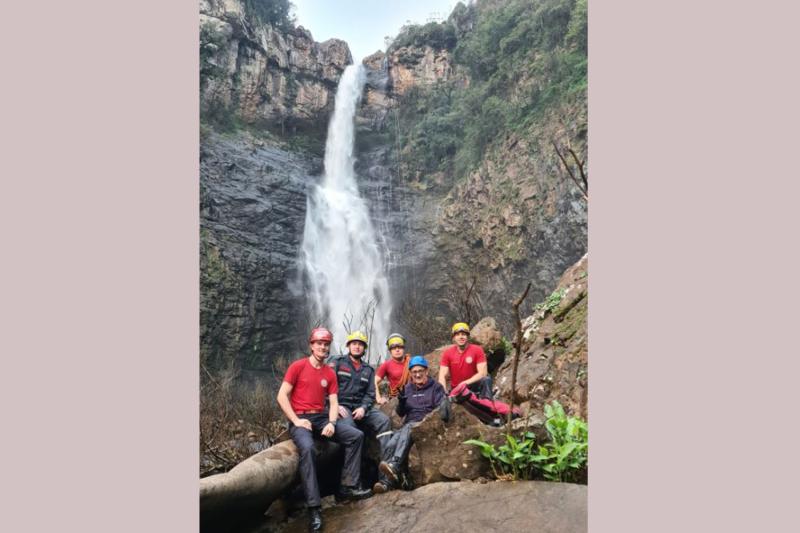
340	400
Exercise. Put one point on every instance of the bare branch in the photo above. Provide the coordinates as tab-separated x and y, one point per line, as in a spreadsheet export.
580	167
516	356
583	191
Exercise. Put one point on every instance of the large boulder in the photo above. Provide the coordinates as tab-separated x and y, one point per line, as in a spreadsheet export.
466	506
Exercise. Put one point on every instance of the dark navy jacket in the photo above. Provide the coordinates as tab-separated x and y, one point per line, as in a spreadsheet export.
420	402
356	387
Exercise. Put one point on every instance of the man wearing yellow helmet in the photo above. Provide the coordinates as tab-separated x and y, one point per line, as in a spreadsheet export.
395	368
465	362
356	380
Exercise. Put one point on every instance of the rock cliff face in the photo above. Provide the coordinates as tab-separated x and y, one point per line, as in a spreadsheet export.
252	208
554	357
265	76
266	96
515	218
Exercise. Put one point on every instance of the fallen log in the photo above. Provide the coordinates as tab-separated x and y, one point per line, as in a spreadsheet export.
252	485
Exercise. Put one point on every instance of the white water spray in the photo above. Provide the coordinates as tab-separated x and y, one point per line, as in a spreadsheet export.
342	260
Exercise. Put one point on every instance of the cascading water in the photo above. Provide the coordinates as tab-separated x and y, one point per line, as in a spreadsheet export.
343	263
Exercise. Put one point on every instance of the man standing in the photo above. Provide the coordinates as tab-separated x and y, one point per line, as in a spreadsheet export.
465	362
302	399
357	392
395	368
415	401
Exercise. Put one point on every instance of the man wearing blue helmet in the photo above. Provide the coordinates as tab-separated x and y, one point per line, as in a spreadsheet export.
415	401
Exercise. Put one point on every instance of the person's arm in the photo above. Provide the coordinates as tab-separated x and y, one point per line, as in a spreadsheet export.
441	401
286	407
333	414
401	402
444	373
378	396
367	400
482	372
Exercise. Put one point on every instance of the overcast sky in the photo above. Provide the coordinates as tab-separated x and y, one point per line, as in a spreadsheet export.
364	23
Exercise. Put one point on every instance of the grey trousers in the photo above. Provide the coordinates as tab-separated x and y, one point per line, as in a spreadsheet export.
399	445
351	438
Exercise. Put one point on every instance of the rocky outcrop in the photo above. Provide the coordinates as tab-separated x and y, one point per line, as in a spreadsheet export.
516	217
265	76
411	66
454	507
554	356
252	209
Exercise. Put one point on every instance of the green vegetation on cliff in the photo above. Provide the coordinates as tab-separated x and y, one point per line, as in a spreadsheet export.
523	58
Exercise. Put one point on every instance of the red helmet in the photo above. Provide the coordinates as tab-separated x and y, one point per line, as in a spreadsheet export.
320	334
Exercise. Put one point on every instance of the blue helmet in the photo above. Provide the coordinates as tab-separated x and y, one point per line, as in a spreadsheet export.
417	360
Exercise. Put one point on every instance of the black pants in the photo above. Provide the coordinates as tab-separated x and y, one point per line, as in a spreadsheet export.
374	420
377	423
351	438
483	388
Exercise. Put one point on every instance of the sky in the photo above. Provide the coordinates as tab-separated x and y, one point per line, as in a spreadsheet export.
364	23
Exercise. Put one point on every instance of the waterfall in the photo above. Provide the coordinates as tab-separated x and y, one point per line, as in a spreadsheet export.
344	265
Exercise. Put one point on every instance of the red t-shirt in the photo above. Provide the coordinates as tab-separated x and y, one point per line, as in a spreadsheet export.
310	386
394	369
462	366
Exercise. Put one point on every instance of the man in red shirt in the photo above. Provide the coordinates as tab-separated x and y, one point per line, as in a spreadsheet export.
395	368
302	399
465	362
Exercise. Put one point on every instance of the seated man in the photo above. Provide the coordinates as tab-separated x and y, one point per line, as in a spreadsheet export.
395	368
302	399
415	401
465	362
357	392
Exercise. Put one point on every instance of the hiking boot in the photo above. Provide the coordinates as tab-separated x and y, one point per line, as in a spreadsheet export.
380	487
314	519
352	493
390	469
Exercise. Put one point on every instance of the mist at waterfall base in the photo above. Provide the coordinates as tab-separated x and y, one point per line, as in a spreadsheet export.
343	256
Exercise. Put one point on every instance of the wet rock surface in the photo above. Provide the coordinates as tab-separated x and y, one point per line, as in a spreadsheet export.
252	209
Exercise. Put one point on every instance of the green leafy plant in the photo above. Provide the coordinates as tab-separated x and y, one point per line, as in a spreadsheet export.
512	460
552	302
564	458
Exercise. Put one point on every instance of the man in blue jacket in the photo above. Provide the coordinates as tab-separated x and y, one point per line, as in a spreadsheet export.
417	399
356	381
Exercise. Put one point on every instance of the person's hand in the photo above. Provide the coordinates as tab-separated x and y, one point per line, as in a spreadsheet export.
304	423
343	412
381	400
328	430
358	414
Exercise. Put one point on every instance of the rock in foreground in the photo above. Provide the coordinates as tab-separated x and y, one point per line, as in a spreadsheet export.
465	506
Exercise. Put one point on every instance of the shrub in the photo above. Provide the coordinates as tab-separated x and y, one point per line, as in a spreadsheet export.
564	458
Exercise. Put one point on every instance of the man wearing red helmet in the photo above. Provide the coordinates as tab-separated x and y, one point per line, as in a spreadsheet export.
302	399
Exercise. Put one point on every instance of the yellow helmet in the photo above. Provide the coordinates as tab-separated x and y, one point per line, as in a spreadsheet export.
395	339
459	326
356	336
